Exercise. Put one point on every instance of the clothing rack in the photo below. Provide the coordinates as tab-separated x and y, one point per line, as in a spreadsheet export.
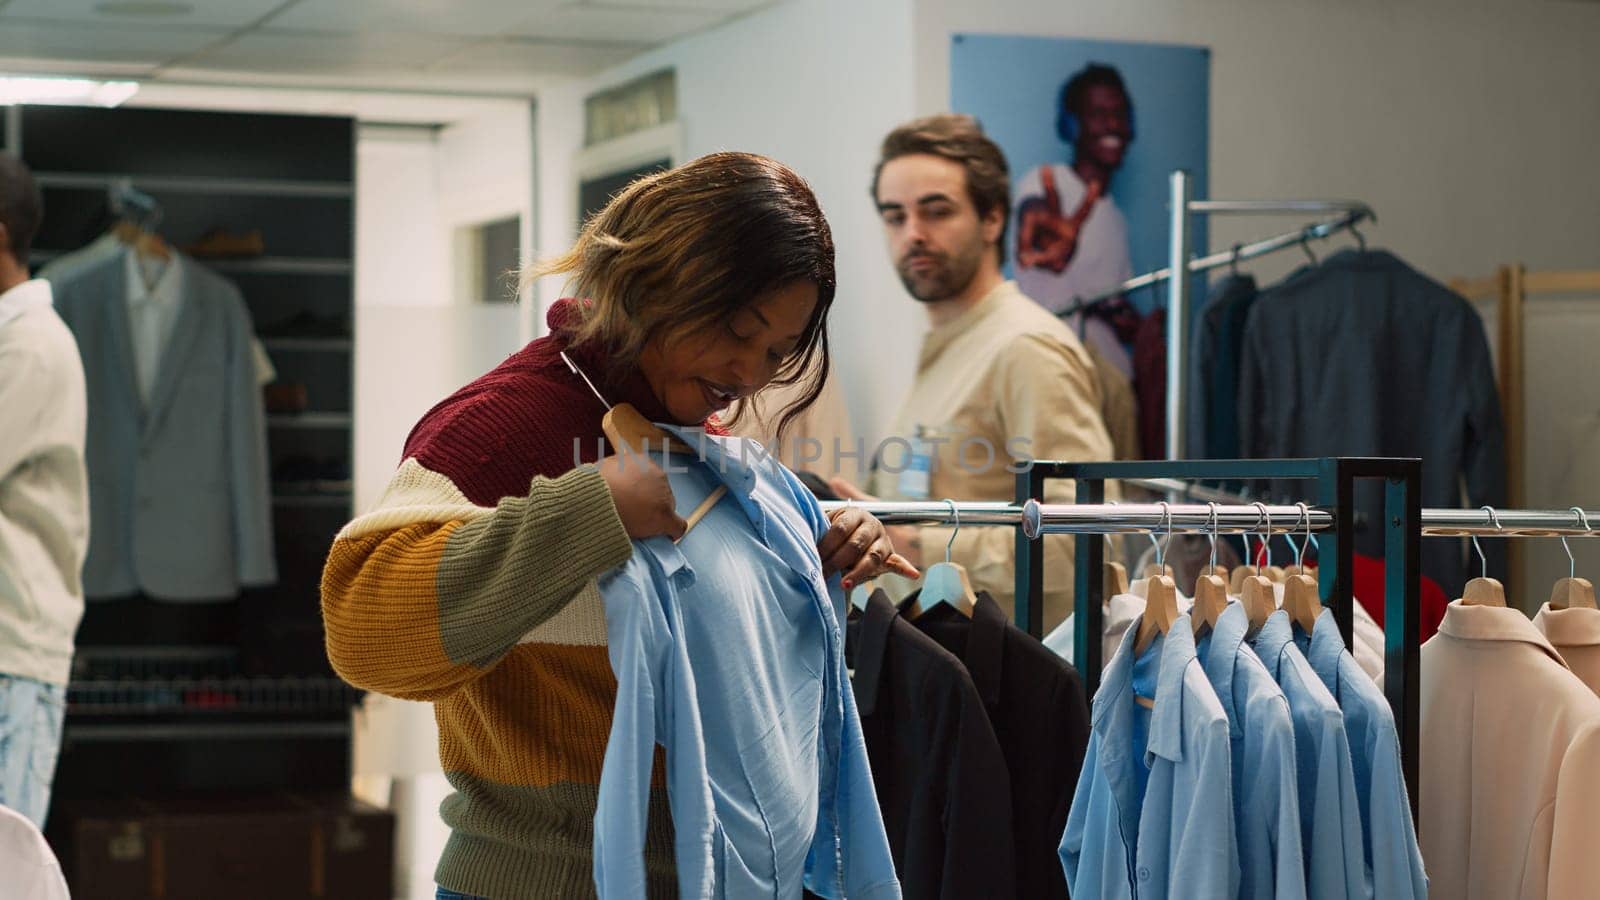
1333	514
1345	215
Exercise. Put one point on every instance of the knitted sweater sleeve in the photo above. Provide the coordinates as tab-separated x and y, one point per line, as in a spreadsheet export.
428	592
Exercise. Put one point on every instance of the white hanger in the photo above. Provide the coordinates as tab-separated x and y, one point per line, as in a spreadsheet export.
946	582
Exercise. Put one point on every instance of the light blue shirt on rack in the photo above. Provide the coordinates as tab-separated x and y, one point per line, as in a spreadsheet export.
727	651
1329	815
1153	813
1392	859
1265	787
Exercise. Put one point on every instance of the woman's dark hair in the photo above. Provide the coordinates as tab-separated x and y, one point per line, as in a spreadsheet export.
685	249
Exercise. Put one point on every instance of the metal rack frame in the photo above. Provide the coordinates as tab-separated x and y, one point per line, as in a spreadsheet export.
1335	480
1344	214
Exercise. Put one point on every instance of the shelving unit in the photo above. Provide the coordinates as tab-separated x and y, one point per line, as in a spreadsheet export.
235	695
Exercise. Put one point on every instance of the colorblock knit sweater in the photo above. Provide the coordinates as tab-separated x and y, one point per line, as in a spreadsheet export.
472	585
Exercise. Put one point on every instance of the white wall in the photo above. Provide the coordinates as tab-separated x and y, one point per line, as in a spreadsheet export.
815	84
418	340
1469	125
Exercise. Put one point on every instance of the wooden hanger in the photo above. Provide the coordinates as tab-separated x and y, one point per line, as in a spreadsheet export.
1300	597
1573	592
1258	598
1210	590
631	432
1160	601
1160	611
945	582
1114	579
1249	569
1210	599
1237	577
1483	590
1301	601
144	243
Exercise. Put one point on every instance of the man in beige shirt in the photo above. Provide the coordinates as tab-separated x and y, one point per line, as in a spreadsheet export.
1000	381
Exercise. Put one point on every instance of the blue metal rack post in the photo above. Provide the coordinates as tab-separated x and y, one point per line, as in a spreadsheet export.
1335	478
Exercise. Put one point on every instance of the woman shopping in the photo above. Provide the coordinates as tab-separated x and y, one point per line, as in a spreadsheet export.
486	577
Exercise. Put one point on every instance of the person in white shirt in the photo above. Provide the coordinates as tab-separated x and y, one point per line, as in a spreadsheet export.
44	506
1071	240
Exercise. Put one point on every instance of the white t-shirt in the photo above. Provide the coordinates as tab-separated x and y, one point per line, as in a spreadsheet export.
1101	262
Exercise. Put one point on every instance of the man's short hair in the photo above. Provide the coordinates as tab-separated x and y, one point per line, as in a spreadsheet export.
20	205
960	139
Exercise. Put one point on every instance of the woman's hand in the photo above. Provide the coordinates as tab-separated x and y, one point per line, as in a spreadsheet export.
643	496
862	547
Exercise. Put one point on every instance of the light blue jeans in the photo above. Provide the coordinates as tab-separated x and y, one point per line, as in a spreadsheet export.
30	739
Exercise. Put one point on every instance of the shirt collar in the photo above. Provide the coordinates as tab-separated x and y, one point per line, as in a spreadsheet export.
1327	648
1493	623
1113	703
1270	640
1222	657
942	336
872	645
31	294
1572	627
733	459
1166	720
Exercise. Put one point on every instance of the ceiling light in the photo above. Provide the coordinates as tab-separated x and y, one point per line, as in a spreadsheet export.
147	8
65	91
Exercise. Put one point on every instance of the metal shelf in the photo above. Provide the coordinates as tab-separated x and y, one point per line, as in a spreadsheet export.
309	344
311	420
189	697
279	265
192	184
102	732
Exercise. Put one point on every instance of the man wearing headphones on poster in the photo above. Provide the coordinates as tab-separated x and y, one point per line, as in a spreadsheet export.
1071	239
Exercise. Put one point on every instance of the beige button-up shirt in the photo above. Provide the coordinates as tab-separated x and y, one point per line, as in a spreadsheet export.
1003	383
1575	633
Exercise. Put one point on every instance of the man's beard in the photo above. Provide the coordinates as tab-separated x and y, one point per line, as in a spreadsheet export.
948	278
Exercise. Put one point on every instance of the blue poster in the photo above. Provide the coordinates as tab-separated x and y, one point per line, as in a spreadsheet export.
1091	131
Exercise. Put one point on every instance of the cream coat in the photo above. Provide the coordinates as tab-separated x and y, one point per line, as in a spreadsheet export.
1510	763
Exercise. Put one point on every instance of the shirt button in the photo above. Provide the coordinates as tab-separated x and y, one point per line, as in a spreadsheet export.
1144	874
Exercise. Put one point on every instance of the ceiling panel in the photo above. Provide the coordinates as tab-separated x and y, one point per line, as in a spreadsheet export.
599	23
58	42
468	17
723	6
515	57
207	13
73	68
272	50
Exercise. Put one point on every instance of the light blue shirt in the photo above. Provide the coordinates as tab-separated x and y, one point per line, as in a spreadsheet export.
1329	816
1393	861
1153	813
1265	787
727	651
